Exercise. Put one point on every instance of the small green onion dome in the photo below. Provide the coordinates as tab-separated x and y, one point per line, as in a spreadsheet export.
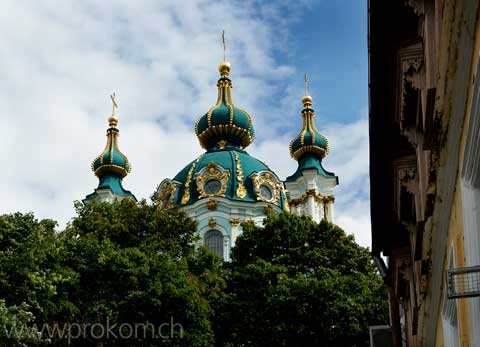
225	121
111	161
309	140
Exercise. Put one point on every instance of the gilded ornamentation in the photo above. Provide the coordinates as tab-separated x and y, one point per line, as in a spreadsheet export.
311	192
230	127
186	194
222	143
327	199
212	205
266	178
241	191
234	221
286	207
212	223
212	171
166	193
308	146
268	209
105	161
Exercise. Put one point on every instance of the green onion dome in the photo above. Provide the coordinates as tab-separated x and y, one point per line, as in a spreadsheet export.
111	161
309	140
225	121
225	170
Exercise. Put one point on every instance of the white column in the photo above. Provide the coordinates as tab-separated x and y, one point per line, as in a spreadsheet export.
330	211
321	208
310	210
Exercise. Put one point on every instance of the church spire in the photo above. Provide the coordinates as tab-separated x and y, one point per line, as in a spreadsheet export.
224	124
311	187
309	140
111	166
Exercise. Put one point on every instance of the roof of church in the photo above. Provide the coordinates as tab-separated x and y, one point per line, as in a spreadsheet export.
309	162
309	140
310	146
111	166
241	177
226	169
225	121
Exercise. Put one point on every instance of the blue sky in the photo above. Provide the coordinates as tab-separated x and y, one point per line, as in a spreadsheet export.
331	44
61	60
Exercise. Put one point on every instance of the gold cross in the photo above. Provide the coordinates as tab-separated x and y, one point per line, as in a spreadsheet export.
114	103
306	84
224	46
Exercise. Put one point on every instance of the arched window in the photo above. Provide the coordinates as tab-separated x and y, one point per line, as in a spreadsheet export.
213	240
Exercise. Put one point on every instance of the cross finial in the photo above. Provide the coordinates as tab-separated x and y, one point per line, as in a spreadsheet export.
306	84
114	103
224	46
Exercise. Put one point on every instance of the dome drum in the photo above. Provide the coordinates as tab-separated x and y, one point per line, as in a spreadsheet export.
229	173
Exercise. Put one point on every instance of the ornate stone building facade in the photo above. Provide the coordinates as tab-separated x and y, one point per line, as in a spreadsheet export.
424	164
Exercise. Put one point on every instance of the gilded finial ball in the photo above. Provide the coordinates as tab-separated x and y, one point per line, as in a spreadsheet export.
112	121
224	68
307	100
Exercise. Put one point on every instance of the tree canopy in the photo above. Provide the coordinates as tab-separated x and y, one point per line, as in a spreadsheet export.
294	282
291	282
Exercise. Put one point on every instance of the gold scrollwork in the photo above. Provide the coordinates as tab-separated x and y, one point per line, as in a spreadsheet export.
241	191
222	143
312	192
212	223
213	171
166	193
286	207
186	194
266	178
235	221
212	205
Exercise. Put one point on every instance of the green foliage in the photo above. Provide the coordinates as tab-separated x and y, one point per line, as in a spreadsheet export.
291	283
14	327
298	283
28	266
131	262
118	263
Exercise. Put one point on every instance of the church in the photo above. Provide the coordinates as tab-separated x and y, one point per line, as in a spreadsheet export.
225	185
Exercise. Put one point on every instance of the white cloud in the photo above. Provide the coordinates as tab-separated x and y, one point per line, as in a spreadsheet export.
61	60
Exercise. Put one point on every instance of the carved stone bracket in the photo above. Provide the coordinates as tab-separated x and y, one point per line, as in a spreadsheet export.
408	178
404	175
418	6
410	62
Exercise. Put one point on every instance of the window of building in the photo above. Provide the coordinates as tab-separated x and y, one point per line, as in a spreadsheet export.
213	186
213	240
